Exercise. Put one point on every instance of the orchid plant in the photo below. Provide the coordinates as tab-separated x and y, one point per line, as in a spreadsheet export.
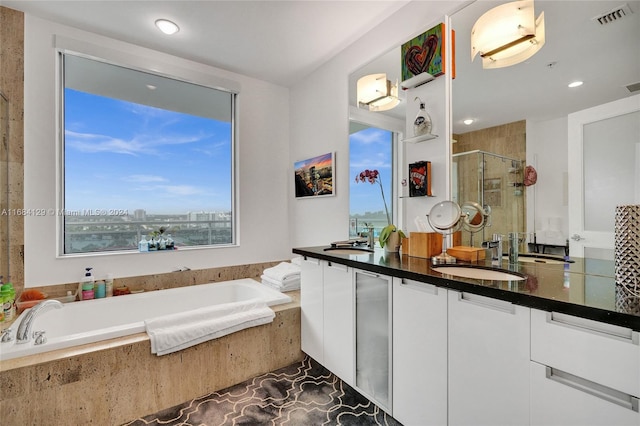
373	177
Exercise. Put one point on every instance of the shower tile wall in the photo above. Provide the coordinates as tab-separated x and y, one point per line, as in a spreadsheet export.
12	85
508	140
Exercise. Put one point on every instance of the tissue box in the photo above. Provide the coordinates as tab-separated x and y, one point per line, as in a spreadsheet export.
467	254
424	244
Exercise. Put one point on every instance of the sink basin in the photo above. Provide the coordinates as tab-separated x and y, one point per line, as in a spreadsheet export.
348	250
479	273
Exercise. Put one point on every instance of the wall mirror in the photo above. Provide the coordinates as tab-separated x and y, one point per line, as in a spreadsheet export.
535	94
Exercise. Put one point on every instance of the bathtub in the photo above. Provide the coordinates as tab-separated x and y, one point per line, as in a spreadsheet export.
91	321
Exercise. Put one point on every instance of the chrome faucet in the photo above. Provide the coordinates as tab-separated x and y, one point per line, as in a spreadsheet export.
24	329
496	247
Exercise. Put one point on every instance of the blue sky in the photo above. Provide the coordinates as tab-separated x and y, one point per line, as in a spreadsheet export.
370	148
121	155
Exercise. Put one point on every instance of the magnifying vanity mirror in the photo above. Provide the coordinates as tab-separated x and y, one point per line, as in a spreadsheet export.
522	115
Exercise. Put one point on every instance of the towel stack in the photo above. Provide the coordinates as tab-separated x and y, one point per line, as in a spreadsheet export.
283	277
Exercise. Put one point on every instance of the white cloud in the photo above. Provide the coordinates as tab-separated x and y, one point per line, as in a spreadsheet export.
144	178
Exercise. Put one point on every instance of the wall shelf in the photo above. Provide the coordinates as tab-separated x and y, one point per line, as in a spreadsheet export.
421	138
421	196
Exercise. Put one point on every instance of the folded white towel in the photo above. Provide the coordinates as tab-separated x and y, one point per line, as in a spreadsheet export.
283	271
175	332
293	284
297	260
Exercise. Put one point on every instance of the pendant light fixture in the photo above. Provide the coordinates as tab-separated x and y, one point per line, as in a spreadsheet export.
377	93
507	35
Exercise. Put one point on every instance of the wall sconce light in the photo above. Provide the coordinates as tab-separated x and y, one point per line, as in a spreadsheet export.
377	93
507	35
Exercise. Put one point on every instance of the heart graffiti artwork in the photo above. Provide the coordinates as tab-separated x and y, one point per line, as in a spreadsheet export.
424	53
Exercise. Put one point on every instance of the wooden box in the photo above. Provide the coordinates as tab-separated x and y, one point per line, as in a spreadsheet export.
424	244
467	254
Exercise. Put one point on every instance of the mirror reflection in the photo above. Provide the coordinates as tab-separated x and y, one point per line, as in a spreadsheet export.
517	116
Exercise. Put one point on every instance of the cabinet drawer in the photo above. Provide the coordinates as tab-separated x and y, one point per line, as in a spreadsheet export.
559	398
603	353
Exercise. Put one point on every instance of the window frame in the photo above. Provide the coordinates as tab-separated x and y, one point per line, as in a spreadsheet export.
135	64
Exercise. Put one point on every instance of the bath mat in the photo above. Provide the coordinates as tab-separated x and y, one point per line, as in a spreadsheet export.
302	394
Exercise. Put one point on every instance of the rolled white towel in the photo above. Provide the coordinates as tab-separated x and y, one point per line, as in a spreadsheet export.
172	333
283	271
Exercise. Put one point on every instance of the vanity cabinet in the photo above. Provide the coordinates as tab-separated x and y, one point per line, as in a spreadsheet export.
419	353
311	307
327	318
373	314
583	372
488	361
338	307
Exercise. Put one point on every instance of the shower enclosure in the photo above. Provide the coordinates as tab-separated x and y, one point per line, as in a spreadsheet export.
490	180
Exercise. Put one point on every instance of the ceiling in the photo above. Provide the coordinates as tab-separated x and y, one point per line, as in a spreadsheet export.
605	57
275	41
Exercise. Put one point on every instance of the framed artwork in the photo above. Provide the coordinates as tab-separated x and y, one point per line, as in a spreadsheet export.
424	53
420	179
314	177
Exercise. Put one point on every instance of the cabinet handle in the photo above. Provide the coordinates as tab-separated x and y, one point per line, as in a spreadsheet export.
594	327
338	266
370	274
312	260
593	388
419	286
487	302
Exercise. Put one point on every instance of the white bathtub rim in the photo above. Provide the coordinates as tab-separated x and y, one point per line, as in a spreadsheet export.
12	350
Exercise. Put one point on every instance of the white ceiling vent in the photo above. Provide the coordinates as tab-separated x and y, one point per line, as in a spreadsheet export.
614	15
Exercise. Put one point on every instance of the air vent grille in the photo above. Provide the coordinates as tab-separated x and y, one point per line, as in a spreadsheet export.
633	87
614	15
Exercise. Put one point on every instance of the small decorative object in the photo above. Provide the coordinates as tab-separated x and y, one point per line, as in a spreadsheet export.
627	258
424	54
422	124
390	235
420	179
314	176
530	176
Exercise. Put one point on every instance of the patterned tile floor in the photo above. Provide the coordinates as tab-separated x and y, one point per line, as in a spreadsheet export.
302	394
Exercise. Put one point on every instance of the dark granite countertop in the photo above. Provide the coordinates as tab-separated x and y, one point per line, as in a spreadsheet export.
584	288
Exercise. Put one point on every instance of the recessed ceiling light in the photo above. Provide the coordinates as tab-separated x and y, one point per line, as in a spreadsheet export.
468	121
151	87
575	83
167	26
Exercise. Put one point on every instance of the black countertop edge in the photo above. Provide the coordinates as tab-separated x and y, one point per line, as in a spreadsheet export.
523	299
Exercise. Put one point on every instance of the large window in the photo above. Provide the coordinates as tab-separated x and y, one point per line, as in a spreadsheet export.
370	148
144	155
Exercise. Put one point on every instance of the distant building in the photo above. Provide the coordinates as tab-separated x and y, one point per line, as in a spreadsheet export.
140	214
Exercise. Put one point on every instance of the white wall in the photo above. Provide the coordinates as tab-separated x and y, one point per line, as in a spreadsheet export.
320	113
264	167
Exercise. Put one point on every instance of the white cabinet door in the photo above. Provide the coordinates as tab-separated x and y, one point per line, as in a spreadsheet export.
311	307
419	353
339	346
373	304
561	399
488	361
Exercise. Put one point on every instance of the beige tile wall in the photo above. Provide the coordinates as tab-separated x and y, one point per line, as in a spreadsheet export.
12	85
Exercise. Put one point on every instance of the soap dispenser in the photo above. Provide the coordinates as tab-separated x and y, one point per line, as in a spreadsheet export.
85	287
422	124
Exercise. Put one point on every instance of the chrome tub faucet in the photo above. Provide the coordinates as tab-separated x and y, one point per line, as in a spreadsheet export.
24	329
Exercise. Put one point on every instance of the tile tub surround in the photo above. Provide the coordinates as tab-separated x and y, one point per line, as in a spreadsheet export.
304	393
170	279
118	380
